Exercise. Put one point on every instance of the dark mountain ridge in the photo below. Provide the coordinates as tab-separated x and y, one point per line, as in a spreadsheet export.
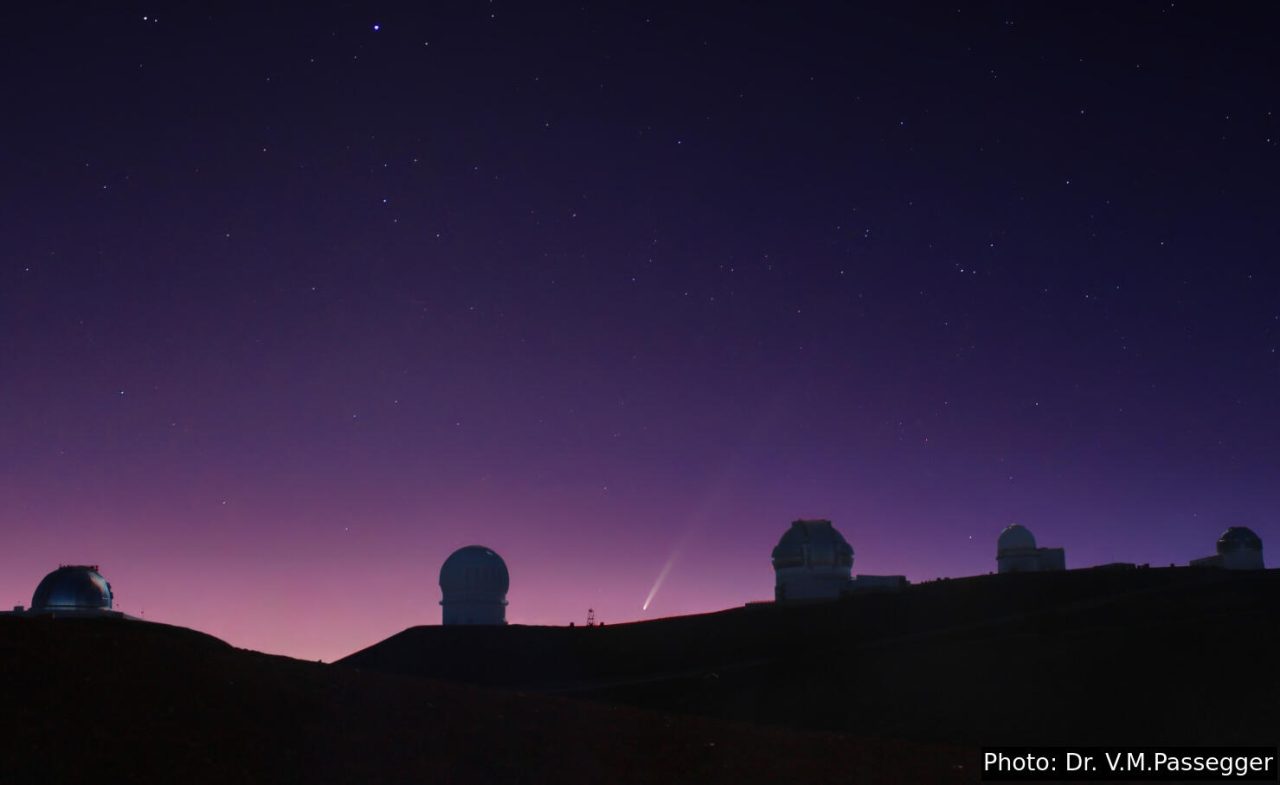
125	701
1104	656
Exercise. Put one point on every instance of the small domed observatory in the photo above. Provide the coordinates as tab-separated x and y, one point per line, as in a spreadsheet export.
1016	551
473	585
812	561
73	589
1239	548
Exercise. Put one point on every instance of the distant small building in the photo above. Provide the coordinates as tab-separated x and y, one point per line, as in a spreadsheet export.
813	561
1238	549
876	583
1016	551
473	585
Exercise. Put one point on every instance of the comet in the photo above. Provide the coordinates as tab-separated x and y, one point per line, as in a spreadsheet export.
662	576
715	494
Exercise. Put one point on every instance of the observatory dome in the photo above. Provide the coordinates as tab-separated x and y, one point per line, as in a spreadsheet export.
474	569
812	544
1016	538
1239	538
474	583
73	588
811	561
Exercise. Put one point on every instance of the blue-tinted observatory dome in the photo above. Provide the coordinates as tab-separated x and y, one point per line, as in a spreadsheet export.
73	588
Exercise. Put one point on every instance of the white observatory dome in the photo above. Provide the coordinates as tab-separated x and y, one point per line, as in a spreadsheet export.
73	587
474	583
811	561
1016	538
1016	551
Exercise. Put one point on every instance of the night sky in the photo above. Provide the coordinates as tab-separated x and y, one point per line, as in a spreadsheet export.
295	302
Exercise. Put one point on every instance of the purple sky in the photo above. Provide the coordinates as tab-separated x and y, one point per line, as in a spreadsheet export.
291	307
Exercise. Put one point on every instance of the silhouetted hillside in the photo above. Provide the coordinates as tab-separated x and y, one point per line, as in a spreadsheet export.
120	701
1105	656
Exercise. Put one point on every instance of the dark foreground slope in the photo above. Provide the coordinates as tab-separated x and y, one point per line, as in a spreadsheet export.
1104	656
118	701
